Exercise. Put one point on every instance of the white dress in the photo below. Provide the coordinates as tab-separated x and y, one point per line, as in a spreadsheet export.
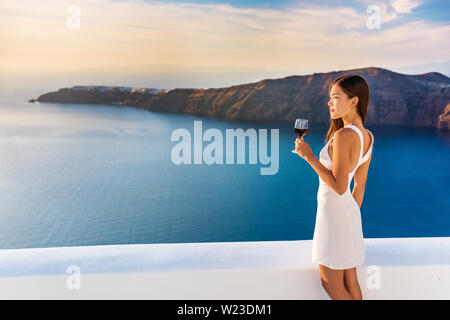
338	241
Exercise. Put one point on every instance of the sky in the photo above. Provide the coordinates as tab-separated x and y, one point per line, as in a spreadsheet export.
205	43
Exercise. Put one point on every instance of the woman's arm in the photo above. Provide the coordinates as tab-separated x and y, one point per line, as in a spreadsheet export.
358	195
337	178
360	179
325	174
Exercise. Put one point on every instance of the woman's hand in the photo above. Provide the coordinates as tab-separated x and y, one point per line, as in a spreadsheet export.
302	148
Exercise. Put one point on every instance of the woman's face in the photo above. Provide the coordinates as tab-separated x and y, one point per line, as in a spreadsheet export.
340	104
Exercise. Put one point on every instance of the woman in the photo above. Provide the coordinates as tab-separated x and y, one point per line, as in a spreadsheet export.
338	244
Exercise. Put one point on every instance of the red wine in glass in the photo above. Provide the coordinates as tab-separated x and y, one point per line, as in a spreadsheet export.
300	128
300	132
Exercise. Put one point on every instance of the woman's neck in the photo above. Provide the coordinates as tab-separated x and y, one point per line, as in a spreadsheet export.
355	121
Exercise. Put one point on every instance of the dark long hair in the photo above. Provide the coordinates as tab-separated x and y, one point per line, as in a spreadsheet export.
353	86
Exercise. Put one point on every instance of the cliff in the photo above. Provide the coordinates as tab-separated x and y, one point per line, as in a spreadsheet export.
395	98
444	119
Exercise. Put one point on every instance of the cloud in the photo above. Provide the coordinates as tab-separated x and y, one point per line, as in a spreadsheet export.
405	6
393	9
137	35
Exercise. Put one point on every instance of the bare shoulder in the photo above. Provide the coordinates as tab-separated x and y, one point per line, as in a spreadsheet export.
370	136
369	132
346	135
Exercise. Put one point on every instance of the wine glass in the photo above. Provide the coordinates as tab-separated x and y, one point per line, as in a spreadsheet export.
300	128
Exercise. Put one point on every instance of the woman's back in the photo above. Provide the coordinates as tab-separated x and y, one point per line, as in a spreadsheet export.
354	157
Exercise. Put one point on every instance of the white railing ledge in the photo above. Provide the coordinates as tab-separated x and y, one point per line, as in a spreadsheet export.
395	268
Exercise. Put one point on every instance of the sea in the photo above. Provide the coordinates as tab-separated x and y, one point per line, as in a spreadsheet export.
83	175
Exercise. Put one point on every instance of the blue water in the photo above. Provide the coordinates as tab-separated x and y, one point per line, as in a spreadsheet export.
75	175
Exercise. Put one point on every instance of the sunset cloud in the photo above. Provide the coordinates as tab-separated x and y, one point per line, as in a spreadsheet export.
145	36
405	6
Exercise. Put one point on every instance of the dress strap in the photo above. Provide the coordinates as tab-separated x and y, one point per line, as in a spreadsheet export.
367	155
361	138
